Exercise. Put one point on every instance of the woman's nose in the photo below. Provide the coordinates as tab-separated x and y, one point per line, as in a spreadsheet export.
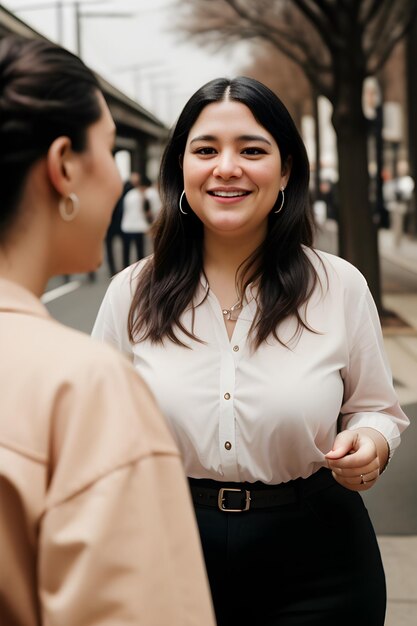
227	166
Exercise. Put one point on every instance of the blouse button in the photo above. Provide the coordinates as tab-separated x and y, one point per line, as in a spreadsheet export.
235	348
228	445
226	396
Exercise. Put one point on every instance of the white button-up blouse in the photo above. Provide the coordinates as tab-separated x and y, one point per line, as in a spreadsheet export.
273	413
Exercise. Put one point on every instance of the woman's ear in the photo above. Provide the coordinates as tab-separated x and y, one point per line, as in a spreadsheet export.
61	166
286	171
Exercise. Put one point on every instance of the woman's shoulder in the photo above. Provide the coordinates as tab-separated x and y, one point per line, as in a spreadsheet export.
98	399
126	281
72	354
334	271
53	360
324	261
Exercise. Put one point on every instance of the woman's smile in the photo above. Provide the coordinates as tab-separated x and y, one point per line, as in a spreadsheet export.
228	195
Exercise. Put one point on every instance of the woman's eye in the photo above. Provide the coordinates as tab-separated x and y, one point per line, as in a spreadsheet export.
205	151
253	151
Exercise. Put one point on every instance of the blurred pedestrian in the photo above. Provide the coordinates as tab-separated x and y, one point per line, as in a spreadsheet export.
329	196
114	230
154	201
152	195
136	220
96	525
267	358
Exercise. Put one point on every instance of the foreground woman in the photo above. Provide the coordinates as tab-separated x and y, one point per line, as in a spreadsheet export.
96	526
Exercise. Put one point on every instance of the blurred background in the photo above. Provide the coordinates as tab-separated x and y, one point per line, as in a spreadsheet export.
347	72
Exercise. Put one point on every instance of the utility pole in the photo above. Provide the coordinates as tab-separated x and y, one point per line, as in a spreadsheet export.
58	6
144	71
80	15
60	21
78	27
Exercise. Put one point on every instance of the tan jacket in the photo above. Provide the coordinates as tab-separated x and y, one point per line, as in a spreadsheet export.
96	524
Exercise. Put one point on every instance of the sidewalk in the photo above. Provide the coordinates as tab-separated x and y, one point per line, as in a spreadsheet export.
399	553
402	347
403	255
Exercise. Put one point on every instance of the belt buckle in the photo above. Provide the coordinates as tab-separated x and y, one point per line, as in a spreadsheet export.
221	499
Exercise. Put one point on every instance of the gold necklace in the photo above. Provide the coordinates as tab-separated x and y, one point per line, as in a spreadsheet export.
233	313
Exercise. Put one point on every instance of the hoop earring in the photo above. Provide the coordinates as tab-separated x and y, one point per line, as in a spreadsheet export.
63	206
282	201
180	203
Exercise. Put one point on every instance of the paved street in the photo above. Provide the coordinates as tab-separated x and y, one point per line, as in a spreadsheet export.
392	503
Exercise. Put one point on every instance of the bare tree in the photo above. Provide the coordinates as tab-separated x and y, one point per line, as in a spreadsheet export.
411	56
283	76
337	43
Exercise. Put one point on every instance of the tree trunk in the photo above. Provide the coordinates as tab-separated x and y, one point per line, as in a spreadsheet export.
358	237
317	173
411	55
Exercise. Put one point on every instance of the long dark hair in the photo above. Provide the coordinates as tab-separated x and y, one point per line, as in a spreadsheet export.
285	275
45	92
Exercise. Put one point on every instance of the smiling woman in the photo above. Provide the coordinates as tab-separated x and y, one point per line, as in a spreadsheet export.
252	138
231	177
267	358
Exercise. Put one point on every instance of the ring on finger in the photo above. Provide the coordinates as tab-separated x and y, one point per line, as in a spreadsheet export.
365	482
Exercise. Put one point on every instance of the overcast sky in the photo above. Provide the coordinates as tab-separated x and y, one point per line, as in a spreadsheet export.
137	53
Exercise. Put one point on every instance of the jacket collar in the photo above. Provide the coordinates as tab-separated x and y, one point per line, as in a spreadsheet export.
16	298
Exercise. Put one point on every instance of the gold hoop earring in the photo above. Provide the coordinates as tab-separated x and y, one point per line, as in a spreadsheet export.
63	207
282	201
180	203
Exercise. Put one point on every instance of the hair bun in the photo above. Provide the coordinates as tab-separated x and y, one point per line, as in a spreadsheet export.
45	92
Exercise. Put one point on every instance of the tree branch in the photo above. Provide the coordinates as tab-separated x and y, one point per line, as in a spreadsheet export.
238	9
372	12
391	26
307	65
312	33
214	24
326	7
409	15
381	29
267	30
324	27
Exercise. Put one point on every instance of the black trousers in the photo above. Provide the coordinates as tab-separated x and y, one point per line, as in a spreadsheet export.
138	240
109	241
313	562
